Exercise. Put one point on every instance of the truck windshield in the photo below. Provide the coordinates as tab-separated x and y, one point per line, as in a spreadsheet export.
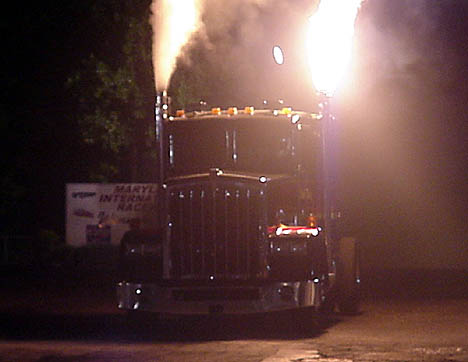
253	145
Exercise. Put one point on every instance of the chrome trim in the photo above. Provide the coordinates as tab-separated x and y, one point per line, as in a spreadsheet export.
215	230
274	296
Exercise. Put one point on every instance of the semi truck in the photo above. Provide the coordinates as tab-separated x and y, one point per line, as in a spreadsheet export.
247	218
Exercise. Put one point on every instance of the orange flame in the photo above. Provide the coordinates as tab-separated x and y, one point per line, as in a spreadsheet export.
329	42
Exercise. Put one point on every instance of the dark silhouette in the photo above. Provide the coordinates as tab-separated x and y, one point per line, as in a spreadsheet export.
140	253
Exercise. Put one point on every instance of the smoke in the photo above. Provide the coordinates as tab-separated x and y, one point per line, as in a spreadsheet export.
173	22
394	36
232	33
406	123
236	22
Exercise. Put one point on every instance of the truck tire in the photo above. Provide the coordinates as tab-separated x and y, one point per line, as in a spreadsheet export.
141	321
328	305
133	319
347	273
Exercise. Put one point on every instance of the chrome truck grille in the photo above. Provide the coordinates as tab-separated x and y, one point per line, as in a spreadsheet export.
216	231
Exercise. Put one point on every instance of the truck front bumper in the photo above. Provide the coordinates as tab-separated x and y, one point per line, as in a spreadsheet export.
268	296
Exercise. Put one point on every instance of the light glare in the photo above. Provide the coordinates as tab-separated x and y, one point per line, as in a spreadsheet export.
173	22
278	55
329	42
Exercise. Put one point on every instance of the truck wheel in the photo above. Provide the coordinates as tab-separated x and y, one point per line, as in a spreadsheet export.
140	321
328	305
133	319
347	273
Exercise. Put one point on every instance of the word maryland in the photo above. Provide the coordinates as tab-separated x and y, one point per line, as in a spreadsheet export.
131	197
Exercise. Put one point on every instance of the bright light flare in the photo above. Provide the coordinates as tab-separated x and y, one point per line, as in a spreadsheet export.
173	22
278	55
293	230
329	42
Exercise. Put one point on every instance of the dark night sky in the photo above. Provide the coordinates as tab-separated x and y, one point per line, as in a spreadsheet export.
402	112
41	43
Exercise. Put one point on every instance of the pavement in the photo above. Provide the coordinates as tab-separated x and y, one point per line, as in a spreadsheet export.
69	314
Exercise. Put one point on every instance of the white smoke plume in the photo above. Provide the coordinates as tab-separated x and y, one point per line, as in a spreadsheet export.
173	22
231	31
236	34
393	36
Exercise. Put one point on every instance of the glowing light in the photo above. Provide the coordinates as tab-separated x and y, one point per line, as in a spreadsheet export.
308	231
173	22
278	55
249	110
295	118
263	179
291	230
329	42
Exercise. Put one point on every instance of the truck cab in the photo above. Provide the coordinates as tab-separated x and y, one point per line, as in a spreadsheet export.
245	222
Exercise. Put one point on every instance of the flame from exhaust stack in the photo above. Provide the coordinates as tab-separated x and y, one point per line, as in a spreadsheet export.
173	22
329	42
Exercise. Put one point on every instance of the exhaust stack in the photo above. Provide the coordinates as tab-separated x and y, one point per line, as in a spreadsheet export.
161	113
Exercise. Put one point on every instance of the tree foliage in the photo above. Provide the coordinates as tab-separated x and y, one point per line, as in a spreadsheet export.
114	93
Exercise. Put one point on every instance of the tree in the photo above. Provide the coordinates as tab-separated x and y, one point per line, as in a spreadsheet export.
114	92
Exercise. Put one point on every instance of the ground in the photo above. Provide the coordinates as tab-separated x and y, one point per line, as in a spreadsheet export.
53	318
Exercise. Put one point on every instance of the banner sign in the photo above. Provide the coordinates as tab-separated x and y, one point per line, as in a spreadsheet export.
99	213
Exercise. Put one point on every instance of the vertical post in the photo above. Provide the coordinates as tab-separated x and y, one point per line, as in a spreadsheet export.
161	113
324	104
